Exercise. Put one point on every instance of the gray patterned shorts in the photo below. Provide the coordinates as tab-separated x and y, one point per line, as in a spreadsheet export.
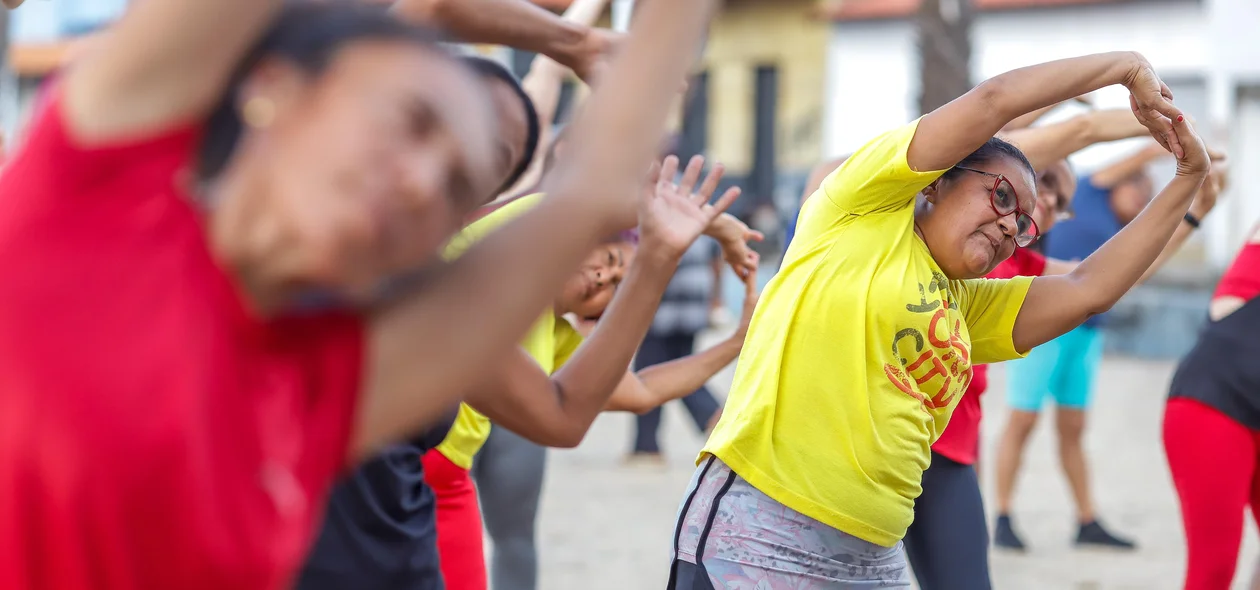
753	542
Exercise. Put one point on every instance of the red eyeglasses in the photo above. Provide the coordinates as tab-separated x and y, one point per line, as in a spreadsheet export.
1005	201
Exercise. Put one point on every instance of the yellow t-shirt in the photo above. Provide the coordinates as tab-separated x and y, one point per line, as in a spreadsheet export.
551	341
858	353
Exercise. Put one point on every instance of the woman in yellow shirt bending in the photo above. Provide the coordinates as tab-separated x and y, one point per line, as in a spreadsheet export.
863	343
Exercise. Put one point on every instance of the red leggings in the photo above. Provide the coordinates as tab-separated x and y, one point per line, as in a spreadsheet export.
1213	461
461	547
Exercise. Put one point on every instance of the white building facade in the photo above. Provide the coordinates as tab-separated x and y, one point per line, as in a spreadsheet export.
1208	51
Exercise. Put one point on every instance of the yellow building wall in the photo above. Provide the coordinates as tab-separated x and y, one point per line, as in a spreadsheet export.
790	35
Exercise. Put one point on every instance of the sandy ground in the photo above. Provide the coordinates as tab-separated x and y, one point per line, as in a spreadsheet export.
608	526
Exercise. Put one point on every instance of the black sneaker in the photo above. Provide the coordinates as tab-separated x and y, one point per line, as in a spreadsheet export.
1093	535
1004	535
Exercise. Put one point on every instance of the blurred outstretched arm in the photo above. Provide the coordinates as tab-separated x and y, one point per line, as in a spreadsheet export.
164	62
428	350
1048	144
520	24
543	84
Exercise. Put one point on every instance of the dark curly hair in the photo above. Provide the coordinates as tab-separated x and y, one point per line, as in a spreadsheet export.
991	150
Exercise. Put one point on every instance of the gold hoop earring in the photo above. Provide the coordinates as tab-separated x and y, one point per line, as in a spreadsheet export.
258	113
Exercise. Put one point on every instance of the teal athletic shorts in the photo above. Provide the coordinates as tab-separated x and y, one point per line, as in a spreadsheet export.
1063	368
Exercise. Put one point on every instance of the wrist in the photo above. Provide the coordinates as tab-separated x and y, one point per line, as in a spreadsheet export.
1193	220
717	229
566	47
1199	211
655	255
1129	65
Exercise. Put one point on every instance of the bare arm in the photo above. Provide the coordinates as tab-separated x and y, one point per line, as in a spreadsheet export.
1203	204
733	236
557	411
1055	267
515	23
715	270
646	390
1056	304
413	375
1048	144
163	62
11	4
543	84
1124	169
1028	119
657	384
947	135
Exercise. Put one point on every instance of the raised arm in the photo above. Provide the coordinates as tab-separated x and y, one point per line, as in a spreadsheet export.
649	388
1027	120
543	84
557	411
1048	144
1125	168
1056	304
1204	203
733	236
520	24
413	376
164	62
948	134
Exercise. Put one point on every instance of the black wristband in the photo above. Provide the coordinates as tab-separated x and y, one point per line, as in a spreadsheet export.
1192	220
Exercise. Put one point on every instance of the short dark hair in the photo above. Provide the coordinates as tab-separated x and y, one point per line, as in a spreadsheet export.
993	149
494	70
309	35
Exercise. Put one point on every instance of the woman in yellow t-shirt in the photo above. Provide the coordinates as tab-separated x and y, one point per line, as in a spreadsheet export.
516	398
864	341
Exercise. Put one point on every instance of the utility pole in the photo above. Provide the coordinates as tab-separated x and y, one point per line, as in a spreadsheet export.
944	52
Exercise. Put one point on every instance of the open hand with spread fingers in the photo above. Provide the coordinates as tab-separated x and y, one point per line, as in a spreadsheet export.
674	214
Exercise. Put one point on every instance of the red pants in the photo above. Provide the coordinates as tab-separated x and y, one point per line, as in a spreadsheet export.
461	547
1213	462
